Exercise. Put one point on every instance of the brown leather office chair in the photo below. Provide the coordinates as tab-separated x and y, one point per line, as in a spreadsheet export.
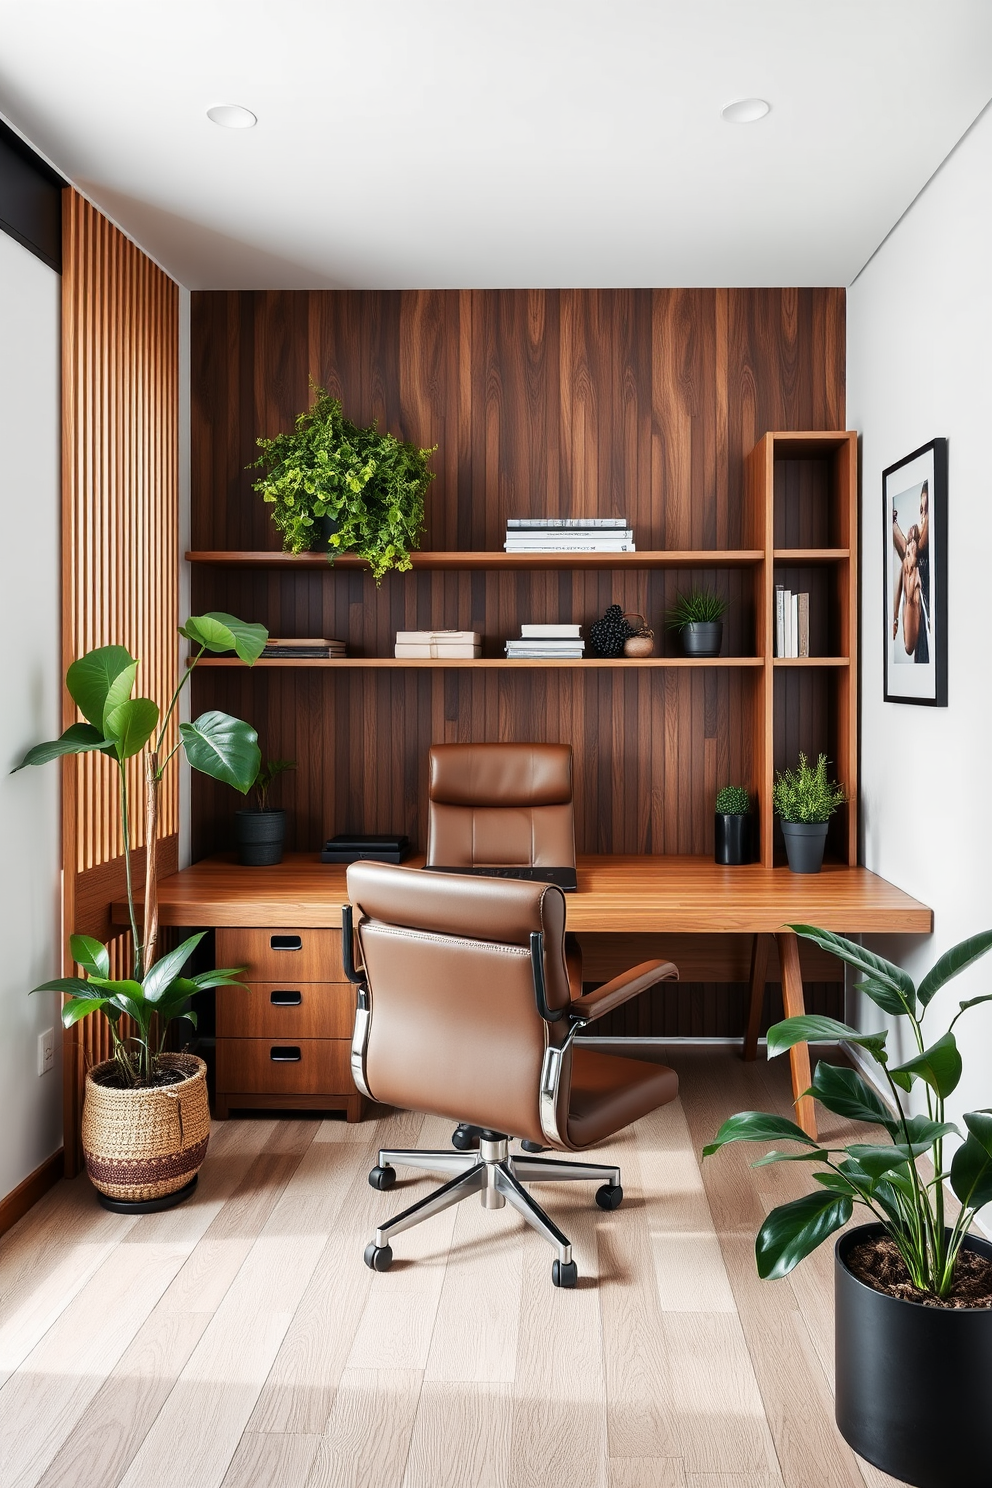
465	1010
502	805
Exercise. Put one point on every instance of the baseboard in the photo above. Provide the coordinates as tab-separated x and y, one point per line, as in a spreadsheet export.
27	1193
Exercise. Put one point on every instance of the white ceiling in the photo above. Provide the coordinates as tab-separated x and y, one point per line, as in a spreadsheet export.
485	143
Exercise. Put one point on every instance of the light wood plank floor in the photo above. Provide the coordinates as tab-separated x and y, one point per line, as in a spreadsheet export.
240	1342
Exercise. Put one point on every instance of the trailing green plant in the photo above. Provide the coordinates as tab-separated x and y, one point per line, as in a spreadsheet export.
120	726
883	1177
695	607
370	485
268	772
733	800
805	794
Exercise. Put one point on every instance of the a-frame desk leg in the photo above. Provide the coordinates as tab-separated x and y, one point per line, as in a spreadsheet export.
795	1006
759	975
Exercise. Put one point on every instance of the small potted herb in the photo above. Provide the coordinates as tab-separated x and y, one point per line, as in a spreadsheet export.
698	617
344	489
913	1287
732	826
261	830
805	800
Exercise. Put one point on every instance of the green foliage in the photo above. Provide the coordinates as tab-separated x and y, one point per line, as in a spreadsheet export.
882	1177
696	607
805	794
268	771
121	726
733	800
152	1003
371	485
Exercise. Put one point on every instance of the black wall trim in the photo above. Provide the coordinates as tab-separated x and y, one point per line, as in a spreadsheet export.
30	199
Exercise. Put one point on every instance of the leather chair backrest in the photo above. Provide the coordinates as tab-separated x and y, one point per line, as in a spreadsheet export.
500	804
454	1026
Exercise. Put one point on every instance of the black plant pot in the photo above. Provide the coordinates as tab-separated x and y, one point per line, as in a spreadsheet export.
804	844
324	529
261	835
912	1382
732	838
702	640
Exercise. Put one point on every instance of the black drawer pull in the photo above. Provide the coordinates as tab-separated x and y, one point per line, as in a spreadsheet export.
285	1054
286	942
285	999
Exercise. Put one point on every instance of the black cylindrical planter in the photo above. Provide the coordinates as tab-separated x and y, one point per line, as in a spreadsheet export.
702	640
261	835
804	843
732	838
912	1382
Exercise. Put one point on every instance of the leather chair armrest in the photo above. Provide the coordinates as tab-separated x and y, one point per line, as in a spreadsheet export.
621	989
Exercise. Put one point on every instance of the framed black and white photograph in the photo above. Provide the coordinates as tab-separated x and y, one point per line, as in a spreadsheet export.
914	539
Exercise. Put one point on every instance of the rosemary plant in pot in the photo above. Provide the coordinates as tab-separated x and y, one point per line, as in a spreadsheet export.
146	1121
345	489
261	828
805	800
913	1288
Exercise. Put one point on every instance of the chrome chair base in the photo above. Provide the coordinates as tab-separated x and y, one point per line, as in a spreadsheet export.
498	1177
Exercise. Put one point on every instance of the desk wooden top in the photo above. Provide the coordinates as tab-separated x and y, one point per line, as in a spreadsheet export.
615	894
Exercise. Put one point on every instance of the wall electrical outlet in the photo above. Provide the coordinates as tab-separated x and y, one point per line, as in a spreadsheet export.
46	1051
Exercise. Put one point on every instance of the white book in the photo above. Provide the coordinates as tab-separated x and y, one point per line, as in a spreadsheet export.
565	546
535	653
442	637
551	646
558	632
553	523
779	620
549	539
436	651
794	627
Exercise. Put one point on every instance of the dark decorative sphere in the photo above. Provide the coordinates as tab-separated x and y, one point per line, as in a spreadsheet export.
608	635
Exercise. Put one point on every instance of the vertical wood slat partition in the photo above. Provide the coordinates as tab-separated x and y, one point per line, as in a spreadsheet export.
120	563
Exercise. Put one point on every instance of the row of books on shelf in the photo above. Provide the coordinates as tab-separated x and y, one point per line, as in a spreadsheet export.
568	535
791	622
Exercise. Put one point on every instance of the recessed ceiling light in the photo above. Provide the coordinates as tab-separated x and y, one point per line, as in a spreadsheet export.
746	111
231	116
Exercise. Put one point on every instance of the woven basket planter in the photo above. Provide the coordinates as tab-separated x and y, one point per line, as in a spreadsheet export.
144	1144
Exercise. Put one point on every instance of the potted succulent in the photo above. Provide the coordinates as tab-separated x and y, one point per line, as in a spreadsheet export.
343	488
732	826
698	617
913	1288
260	829
805	800
145	1114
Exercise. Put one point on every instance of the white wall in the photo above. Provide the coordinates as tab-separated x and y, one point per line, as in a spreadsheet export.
920	366
30	1107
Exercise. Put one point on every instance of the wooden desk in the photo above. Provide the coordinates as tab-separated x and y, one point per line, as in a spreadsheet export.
657	895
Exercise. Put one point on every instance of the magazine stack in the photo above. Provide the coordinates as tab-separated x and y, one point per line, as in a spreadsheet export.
547	643
568	535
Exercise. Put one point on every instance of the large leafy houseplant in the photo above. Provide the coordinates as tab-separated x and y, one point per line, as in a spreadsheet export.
370	486
121	726
883	1177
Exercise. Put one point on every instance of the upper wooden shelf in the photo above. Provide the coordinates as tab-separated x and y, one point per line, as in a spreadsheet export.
675	558
811	555
499	662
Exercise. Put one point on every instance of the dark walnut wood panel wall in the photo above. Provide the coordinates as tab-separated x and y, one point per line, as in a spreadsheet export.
636	403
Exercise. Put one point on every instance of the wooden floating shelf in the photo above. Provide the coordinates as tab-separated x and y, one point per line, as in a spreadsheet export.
797	556
594	663
682	558
811	661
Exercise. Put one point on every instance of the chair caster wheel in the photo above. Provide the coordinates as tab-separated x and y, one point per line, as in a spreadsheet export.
465	1137
610	1196
562	1275
378	1257
530	1146
382	1178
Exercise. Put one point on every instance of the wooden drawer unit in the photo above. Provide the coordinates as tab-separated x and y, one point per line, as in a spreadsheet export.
285	1040
288	956
280	1010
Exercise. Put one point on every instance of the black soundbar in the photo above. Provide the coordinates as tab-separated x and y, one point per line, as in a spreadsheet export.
563	877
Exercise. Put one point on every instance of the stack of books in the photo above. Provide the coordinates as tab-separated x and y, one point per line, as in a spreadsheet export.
568	535
305	650
547	643
438	645
362	847
791	622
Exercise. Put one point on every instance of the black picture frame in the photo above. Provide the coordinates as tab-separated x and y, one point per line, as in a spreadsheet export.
914	577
